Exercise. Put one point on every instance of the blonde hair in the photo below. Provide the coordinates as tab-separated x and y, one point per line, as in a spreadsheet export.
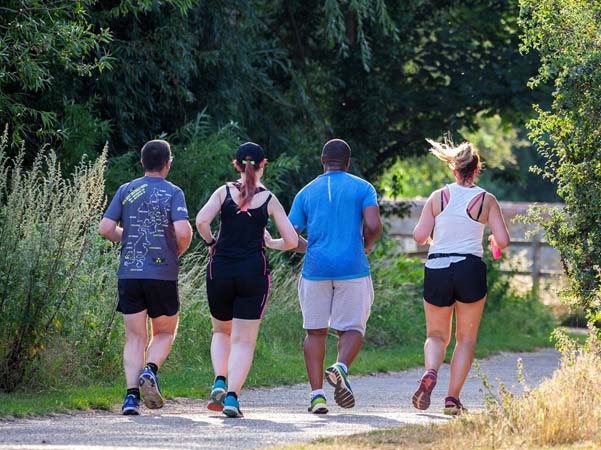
463	157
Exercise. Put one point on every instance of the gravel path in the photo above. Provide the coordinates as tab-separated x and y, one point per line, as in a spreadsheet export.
274	416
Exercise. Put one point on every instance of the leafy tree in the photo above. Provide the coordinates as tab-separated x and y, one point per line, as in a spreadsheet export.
383	74
568	134
40	43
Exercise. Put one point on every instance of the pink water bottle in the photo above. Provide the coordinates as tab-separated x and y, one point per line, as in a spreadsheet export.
496	251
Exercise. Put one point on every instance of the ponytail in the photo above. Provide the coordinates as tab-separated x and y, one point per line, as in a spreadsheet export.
464	158
249	185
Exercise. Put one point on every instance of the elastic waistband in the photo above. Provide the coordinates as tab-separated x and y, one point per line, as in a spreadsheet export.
445	255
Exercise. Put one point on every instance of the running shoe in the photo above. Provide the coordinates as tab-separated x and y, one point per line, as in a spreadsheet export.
318	405
231	407
453	407
131	406
149	386
421	398
217	396
343	394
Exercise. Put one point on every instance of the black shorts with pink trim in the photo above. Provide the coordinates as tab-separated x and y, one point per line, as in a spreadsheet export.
241	297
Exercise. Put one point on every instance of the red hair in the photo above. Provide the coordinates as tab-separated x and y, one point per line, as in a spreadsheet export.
249	184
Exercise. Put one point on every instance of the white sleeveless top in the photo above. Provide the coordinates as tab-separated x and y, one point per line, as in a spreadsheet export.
454	230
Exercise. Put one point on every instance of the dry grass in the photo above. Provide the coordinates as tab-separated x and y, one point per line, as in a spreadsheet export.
563	412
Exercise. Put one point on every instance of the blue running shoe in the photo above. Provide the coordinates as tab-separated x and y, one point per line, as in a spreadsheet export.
149	385
217	396
343	394
231	407
131	406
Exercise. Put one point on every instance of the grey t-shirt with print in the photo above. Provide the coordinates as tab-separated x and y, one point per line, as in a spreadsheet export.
147	208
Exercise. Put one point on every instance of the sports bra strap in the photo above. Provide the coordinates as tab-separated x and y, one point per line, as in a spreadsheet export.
443	198
481	199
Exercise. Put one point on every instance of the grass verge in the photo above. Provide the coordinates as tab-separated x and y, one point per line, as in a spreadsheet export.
393	342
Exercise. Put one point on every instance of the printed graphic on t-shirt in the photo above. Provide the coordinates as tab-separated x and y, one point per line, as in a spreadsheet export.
148	226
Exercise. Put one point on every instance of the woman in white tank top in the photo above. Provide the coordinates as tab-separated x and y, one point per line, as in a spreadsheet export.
453	222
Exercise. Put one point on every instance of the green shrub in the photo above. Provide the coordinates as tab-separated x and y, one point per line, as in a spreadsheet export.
565	33
55	273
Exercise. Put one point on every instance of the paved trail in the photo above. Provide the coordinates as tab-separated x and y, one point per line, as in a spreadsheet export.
273	416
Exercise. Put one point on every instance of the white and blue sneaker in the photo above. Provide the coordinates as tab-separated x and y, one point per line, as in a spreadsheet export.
231	407
217	396
149	386
131	406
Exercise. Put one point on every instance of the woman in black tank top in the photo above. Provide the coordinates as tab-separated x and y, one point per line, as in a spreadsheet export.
238	272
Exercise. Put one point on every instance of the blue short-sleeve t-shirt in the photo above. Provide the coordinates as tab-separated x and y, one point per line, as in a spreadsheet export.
331	208
147	208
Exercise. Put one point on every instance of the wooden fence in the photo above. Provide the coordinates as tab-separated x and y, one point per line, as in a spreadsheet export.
535	245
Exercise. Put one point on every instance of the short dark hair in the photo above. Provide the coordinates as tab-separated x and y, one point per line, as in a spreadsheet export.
155	154
336	151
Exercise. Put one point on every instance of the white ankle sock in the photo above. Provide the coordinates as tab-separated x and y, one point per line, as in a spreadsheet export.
317	392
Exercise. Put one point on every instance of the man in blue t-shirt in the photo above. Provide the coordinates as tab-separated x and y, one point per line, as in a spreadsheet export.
154	231
341	215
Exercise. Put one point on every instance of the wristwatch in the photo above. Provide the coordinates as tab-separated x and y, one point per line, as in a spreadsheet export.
210	244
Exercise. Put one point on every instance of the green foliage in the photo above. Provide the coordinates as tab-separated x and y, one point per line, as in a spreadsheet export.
55	274
383	74
568	134
203	156
39	43
506	157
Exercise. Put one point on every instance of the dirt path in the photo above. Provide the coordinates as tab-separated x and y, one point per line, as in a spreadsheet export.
273	416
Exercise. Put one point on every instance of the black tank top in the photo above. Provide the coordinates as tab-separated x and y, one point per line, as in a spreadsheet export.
240	247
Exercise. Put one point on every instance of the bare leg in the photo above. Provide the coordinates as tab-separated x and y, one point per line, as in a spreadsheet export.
438	331
349	344
315	353
468	317
220	346
136	338
243	342
164	329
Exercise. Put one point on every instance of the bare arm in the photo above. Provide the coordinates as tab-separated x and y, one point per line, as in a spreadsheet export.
208	212
425	225
183	235
500	234
108	229
372	227
289	239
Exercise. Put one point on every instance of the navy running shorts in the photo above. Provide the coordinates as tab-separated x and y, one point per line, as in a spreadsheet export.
242	297
159	297
463	281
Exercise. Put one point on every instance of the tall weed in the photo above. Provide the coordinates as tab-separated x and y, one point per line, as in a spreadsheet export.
561	410
53	272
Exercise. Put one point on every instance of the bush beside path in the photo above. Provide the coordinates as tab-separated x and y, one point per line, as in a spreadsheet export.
274	417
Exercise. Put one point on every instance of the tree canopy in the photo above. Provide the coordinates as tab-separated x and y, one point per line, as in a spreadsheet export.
291	74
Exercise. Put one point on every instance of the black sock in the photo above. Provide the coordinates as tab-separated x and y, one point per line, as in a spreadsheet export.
153	367
220	377
233	394
135	392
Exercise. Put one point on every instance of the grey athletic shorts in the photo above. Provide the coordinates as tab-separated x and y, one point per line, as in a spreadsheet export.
343	305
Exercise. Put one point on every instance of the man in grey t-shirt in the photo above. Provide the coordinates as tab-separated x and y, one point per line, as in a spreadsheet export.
154	230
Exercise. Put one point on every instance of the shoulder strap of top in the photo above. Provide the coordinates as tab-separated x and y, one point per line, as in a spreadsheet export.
480	199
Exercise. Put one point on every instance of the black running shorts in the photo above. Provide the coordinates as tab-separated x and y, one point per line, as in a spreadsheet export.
242	297
463	281
159	297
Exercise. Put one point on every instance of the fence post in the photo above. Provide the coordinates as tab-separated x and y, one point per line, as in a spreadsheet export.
535	262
